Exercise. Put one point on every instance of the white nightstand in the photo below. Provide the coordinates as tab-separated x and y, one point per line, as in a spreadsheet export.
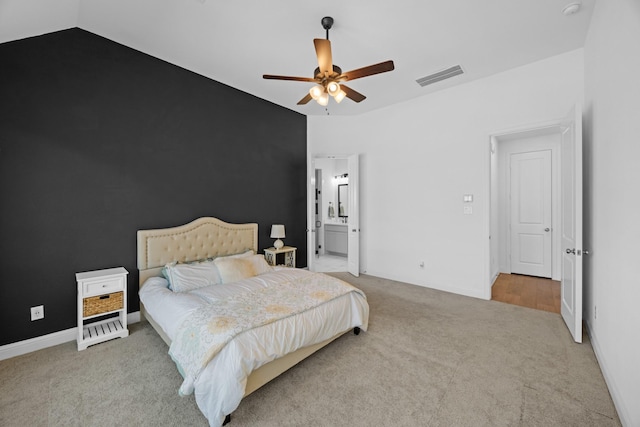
100	293
270	254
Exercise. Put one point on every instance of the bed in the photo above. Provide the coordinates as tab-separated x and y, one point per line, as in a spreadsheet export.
297	335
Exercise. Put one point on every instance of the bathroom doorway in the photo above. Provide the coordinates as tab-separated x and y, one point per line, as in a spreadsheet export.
333	214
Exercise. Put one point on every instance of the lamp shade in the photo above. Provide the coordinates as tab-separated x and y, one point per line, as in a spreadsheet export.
324	99
340	96
333	88
277	231
316	92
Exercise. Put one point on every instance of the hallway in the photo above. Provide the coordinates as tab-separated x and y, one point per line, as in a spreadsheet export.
527	291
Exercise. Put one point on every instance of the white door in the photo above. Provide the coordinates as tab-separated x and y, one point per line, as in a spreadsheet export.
530	196
571	219
353	252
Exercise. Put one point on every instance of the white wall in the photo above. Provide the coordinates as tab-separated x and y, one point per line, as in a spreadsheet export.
20	19
612	205
418	158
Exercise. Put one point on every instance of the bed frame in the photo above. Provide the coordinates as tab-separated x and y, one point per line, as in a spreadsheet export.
206	238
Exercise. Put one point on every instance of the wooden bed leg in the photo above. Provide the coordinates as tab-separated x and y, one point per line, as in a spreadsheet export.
227	420
356	330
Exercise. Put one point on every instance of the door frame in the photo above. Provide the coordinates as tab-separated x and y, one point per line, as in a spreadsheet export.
492	269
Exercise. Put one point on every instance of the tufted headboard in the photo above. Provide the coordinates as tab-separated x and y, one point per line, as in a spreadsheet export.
203	238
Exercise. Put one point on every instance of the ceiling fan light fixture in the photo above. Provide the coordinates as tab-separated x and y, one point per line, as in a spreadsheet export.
340	96
333	88
323	99
327	76
316	92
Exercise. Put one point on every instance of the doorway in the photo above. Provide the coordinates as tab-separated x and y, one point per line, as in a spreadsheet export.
525	203
334	231
331	227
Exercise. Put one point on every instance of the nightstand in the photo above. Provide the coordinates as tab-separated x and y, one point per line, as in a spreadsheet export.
270	254
102	306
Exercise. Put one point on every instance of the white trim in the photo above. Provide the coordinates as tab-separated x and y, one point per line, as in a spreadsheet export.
623	412
38	343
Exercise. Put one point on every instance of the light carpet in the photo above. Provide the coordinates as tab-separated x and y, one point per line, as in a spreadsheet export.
429	358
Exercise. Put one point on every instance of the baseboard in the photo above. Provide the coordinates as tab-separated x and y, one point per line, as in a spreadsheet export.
623	413
480	294
38	343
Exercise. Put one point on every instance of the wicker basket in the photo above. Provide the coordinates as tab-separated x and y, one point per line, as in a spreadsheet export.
102	304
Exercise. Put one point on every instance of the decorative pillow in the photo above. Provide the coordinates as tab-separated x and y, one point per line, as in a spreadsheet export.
186	277
234	269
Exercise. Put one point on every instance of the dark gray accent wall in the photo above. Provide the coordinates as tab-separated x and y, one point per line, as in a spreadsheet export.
98	140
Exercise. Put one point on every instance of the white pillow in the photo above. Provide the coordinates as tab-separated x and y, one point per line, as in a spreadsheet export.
245	254
233	269
186	277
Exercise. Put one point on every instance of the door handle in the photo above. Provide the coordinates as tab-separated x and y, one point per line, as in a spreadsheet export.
547	229
571	251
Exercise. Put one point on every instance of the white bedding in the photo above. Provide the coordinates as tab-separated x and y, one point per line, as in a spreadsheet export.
220	387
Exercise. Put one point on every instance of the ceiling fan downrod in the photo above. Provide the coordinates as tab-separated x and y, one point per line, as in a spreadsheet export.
327	23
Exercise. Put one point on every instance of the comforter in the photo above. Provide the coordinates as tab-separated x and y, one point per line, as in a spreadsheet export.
216	347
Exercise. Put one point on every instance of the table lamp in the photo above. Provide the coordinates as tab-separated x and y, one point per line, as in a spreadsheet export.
277	232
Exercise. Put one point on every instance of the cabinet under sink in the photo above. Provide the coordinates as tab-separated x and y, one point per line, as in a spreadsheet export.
335	239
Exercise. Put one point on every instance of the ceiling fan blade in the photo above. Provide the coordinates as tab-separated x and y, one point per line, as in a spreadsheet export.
304	100
296	79
352	94
323	51
382	67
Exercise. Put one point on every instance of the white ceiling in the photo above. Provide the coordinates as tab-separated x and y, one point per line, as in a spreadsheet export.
237	41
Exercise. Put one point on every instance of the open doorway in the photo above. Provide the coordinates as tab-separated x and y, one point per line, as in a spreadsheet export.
333	214
525	217
525	203
332	178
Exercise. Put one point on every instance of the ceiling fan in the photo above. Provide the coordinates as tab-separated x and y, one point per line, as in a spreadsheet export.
329	77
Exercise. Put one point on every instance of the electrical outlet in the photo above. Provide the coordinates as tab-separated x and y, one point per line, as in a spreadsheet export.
37	312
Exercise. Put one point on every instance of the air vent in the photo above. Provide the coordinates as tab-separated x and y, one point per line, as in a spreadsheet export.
439	76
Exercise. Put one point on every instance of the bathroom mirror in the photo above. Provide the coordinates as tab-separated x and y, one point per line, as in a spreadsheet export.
343	200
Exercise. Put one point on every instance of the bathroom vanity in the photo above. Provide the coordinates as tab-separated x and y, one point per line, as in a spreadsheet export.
335	238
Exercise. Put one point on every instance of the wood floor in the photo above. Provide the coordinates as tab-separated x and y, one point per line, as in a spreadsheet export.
527	291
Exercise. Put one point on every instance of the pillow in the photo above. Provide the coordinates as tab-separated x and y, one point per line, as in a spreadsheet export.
187	277
234	269
260	264
245	254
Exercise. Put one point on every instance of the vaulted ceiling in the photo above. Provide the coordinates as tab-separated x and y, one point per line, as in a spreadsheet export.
236	42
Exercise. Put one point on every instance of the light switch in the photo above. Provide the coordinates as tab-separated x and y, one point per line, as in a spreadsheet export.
468	210
467	198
